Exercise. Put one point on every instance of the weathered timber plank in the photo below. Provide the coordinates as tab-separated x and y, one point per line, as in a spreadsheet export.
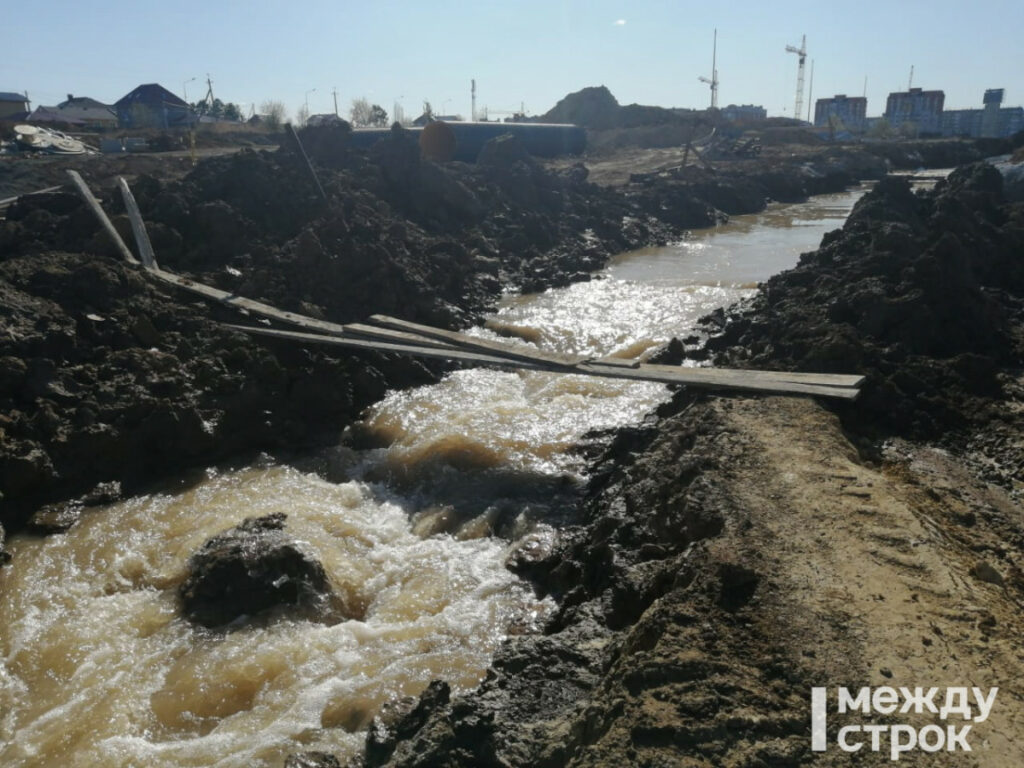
97	209
826	379
484	345
719	378
617	362
249	305
443	353
736	381
138	227
360	330
9	200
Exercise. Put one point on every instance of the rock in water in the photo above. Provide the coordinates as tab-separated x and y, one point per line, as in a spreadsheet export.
250	568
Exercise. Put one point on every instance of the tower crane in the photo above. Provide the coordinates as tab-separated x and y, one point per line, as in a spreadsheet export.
801	52
713	81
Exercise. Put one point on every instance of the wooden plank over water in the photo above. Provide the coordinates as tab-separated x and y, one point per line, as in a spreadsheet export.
709	378
824	379
466	341
370	345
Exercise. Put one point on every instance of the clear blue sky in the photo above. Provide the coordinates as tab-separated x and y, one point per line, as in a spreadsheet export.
532	52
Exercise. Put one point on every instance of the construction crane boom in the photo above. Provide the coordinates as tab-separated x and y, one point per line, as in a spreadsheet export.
713	80
801	52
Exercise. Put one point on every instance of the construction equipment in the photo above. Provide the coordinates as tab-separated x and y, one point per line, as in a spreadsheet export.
713	81
801	52
747	147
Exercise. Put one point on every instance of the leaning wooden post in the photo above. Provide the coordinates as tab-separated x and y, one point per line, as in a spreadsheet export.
302	153
94	204
138	227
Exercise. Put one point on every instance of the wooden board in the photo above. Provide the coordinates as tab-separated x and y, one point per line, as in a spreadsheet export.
721	379
359	330
9	200
370	345
466	341
97	209
138	227
249	305
717	379
825	379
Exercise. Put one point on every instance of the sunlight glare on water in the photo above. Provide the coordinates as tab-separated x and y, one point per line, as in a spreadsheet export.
98	668
643	299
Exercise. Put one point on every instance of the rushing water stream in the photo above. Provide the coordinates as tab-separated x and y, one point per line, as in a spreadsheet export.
97	667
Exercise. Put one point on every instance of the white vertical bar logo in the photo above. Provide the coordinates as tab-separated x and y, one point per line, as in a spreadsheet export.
819	700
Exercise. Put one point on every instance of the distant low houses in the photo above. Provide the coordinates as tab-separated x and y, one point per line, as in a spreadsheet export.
320	120
13	106
79	111
153	106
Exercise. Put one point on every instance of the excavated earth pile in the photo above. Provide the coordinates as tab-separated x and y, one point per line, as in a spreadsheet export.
924	294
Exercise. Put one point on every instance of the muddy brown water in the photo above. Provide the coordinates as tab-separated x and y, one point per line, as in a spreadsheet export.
98	668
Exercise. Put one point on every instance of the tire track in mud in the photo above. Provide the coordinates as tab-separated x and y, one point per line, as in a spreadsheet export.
878	552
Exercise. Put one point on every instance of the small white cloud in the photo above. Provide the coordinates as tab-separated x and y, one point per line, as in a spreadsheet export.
620	23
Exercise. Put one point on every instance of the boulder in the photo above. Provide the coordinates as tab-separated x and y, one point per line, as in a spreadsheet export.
251	568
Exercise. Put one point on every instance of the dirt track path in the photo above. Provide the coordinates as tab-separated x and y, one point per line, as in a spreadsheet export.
871	569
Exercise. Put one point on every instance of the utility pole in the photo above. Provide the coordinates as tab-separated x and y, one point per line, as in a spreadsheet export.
801	52
713	81
334	92
910	82
472	102
209	90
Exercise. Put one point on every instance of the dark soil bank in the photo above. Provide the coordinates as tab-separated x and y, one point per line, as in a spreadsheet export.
923	294
666	649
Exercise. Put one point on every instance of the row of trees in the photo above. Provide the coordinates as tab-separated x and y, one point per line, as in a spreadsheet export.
217	109
363	114
274	115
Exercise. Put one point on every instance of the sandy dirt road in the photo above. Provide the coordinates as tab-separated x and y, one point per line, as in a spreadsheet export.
891	575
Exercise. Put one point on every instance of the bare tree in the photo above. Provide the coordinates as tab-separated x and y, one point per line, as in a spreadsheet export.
302	115
360	113
274	114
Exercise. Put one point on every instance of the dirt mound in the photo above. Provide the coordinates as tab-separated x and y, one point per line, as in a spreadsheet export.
597	109
592	107
938	153
920	292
